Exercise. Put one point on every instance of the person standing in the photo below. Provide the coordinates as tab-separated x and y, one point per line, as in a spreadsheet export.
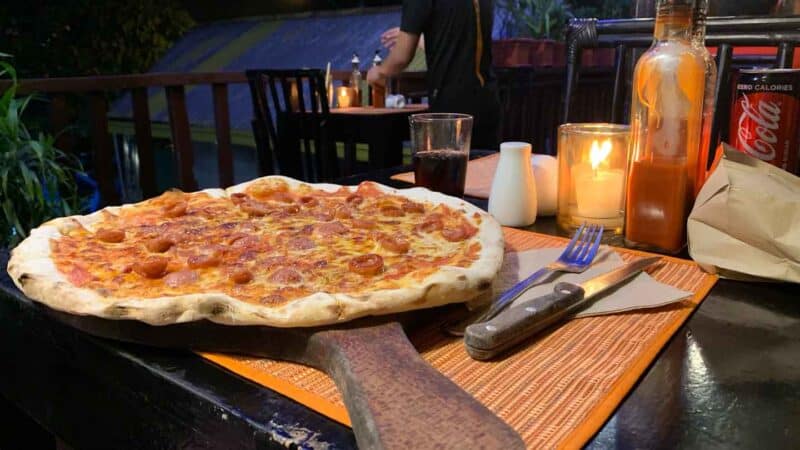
458	54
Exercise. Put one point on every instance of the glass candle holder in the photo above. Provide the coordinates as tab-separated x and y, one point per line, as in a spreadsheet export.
592	172
345	96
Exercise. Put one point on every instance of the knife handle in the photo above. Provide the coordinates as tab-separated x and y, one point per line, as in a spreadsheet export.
487	339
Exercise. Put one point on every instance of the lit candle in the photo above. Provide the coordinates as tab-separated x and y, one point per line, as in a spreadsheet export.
294	97
598	189
345	96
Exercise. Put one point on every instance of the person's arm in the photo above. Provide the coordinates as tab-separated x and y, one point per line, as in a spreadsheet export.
399	57
415	16
389	38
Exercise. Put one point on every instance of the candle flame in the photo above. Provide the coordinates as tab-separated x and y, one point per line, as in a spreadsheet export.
599	152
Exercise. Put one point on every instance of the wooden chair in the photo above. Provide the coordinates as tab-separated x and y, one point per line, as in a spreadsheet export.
724	33
291	113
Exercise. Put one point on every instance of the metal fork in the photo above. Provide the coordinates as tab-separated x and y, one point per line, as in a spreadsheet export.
576	258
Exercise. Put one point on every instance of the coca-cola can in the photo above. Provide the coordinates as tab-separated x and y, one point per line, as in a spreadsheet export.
765	114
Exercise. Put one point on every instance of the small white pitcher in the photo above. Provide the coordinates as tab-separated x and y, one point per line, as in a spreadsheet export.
512	199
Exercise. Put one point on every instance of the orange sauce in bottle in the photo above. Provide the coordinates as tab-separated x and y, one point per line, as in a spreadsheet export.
658	201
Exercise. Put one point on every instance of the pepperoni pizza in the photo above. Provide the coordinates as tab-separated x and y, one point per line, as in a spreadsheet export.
273	251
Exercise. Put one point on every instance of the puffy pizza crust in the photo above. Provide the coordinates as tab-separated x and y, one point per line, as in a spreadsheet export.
33	271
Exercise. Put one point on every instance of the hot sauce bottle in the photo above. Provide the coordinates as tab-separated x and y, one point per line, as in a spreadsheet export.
666	122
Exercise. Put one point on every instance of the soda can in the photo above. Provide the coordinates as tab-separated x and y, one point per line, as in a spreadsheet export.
765	114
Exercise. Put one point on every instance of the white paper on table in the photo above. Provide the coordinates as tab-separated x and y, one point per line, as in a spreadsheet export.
745	223
642	292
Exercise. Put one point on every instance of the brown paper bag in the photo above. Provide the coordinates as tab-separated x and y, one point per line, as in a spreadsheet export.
745	223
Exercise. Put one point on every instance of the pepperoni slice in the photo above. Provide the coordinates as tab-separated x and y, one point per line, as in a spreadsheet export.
273	261
176	209
245	241
413	207
254	209
285	275
308	201
354	200
79	276
394	244
455	234
152	267
204	261
110	235
239	197
241	276
159	245
364	224
323	215
392	211
331	228
291	209
180	278
369	264
248	255
430	225
343	212
301	243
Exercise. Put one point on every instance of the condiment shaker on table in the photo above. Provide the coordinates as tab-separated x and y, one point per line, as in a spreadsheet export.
512	198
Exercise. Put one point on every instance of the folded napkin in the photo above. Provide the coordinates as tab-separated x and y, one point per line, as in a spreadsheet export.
639	293
480	173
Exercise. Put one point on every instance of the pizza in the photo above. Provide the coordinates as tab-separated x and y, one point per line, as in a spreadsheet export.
273	251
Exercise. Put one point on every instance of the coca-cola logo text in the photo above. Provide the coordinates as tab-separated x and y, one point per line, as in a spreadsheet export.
766	115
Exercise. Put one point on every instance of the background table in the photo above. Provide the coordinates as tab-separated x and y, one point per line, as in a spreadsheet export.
383	129
729	378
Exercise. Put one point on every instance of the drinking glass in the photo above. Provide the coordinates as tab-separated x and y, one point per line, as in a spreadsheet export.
440	150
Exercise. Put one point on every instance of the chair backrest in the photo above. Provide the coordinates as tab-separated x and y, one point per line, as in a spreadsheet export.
291	110
724	33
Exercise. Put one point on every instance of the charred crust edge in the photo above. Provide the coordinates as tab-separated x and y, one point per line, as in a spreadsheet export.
24	278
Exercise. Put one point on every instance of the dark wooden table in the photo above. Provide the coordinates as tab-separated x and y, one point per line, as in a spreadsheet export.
383	129
729	378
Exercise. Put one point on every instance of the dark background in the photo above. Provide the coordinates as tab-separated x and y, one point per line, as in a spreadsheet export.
89	37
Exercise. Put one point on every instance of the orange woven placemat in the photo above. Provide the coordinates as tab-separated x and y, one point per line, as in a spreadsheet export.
556	391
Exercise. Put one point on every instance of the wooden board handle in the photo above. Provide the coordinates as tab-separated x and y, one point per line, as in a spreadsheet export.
396	400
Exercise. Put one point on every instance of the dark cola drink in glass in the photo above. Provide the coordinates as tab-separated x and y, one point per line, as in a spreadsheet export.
442	171
440	144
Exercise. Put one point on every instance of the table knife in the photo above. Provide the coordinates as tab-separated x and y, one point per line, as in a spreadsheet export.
487	339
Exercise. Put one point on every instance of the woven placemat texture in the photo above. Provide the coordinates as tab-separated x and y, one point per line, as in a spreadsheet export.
556	390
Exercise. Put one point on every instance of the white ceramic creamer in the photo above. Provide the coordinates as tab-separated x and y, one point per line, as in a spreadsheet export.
512	199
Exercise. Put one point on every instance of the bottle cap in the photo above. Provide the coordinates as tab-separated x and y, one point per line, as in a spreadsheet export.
355	59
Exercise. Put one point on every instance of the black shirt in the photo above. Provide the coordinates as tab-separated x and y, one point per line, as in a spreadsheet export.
455	52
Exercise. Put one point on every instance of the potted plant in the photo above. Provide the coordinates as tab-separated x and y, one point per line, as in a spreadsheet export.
533	33
37	181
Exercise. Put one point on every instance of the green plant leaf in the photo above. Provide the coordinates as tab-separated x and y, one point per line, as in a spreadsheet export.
37	180
13	220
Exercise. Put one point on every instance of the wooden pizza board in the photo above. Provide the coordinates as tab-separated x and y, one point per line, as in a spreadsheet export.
394	398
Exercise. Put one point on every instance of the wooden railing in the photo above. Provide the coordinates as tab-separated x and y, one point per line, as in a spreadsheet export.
96	90
530	97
